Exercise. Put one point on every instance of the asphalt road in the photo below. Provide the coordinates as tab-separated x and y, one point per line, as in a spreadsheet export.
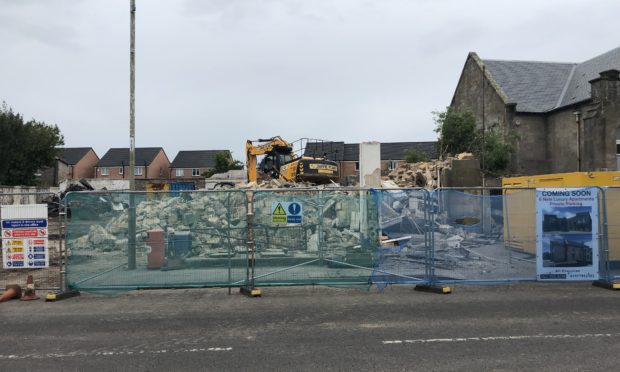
518	327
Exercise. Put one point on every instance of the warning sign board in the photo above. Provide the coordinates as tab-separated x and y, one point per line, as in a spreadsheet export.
289	213
24	240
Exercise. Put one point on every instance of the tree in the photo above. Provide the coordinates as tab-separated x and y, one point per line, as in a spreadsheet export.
25	147
415	156
458	133
223	163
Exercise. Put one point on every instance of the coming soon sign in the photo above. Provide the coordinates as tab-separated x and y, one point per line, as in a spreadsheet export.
24	236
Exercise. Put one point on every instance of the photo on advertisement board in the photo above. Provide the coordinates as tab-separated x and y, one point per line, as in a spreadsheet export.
567	220
567	250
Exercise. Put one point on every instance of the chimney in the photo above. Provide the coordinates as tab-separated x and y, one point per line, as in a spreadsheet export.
605	87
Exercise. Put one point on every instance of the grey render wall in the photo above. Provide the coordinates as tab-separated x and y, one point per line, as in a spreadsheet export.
531	150
562	141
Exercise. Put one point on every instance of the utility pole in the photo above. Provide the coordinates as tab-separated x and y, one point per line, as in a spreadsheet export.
131	238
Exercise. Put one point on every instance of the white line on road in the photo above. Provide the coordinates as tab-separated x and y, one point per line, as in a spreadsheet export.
72	354
497	338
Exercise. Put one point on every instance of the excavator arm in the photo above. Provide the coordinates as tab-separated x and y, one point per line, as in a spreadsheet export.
266	146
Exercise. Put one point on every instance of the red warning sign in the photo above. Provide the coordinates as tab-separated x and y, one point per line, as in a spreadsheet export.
42	232
25	233
6	233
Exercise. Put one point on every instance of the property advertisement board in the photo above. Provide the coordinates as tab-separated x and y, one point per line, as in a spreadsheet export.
567	234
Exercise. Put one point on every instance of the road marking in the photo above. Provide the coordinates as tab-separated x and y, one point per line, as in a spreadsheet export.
497	338
109	353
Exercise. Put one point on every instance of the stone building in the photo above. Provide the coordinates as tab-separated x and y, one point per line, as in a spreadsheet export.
566	116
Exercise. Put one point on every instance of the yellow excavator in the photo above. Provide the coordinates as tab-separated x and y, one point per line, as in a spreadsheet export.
282	163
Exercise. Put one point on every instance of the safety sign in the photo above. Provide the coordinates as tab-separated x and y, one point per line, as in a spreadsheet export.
24	239
289	213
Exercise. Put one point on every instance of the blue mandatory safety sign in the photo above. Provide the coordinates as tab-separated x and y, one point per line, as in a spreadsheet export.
290	213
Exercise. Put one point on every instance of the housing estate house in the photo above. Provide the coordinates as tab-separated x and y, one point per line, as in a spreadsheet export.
192	164
566	116
73	163
151	163
347	154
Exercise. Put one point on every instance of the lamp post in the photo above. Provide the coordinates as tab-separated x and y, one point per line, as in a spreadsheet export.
131	228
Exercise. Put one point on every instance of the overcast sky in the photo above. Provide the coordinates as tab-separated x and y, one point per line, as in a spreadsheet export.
213	73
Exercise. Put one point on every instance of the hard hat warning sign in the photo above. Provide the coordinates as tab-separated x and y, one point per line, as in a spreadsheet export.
289	213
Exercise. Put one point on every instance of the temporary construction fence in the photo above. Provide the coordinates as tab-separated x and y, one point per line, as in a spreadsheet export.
32	241
331	236
220	238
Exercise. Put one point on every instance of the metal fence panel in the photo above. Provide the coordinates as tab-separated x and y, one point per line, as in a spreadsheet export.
612	226
332	243
48	278
403	257
483	238
203	239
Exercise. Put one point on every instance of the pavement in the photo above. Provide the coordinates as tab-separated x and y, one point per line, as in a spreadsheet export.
567	327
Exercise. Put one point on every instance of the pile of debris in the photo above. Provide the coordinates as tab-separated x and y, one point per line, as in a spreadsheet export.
279	184
218	222
423	174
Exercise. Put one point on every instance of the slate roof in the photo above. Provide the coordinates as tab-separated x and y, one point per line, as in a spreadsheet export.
120	156
389	150
397	150
351	152
196	159
72	155
325	149
545	86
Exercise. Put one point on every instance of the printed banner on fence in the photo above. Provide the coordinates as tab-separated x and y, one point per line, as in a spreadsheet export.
567	234
24	236
289	213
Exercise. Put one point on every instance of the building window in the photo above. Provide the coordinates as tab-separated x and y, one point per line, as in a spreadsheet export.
180	172
357	166
137	171
393	164
121	170
195	172
105	171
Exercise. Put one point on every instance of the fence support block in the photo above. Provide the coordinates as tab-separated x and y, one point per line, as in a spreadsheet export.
52	297
441	289
250	291
606	285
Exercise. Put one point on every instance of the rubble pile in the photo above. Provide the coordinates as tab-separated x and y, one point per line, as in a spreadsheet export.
423	174
218	221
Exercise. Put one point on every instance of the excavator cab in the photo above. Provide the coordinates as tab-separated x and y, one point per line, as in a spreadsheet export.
280	162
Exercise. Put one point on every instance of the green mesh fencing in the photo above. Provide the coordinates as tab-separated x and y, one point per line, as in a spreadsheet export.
201	240
314	237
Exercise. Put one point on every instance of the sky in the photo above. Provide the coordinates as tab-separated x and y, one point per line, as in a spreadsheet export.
211	74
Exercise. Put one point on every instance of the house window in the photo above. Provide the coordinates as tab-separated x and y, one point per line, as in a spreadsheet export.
137	171
357	166
105	171
180	172
393	164
195	172
120	170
